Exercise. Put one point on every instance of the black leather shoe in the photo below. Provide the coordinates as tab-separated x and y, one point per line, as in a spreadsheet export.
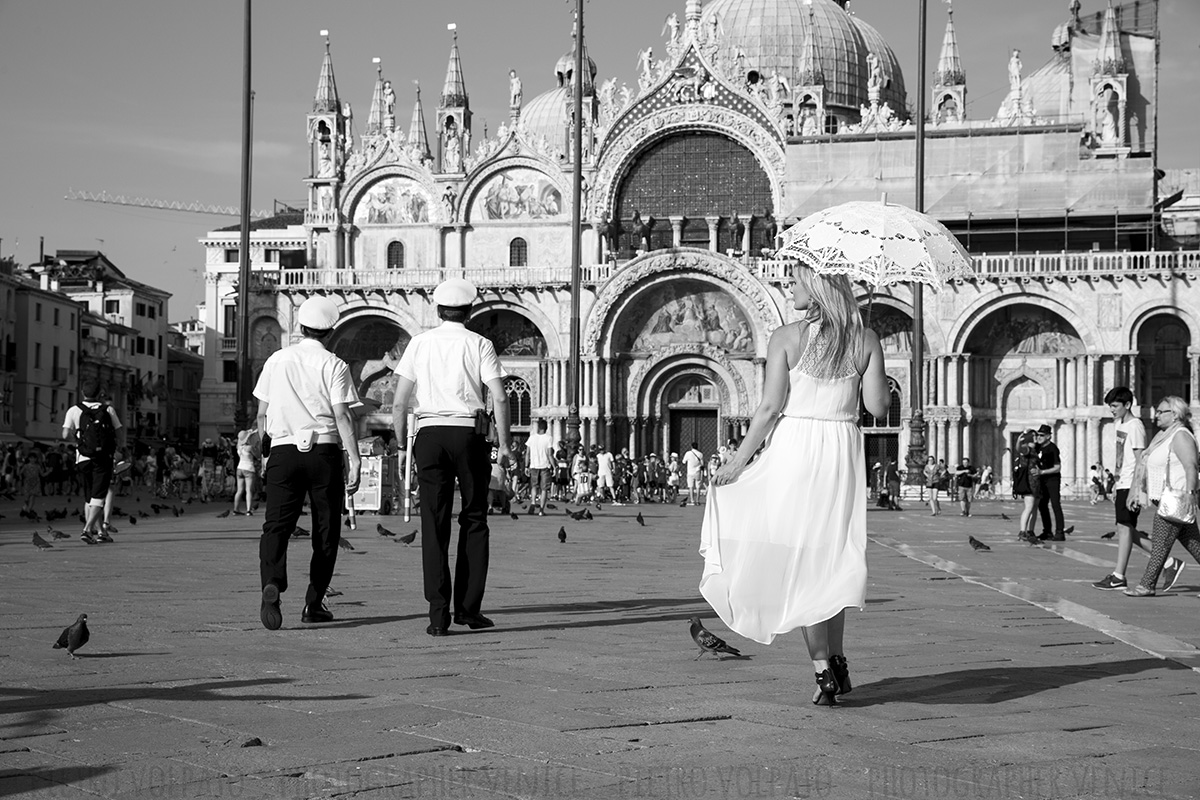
474	621
316	614
437	630
272	617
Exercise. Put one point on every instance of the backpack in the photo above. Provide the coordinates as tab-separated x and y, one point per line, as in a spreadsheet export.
96	436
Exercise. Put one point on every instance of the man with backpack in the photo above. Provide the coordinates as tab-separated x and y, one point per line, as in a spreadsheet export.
92	425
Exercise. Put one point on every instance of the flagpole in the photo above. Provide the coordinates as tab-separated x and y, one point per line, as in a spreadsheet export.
573	422
917	443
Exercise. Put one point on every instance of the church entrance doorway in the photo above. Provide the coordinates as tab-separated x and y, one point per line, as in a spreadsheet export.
694	425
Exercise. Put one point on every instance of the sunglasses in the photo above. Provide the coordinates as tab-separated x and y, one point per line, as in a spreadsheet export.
1164	411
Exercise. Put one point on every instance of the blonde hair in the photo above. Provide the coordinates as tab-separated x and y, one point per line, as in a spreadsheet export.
1183	412
836	312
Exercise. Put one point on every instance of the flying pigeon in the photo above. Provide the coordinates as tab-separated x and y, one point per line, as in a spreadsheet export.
641	520
562	534
514	516
382	531
707	641
41	543
978	545
1108	535
73	636
345	545
223	514
409	538
300	531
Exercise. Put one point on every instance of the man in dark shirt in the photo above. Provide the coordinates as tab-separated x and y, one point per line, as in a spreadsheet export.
965	476
1050	463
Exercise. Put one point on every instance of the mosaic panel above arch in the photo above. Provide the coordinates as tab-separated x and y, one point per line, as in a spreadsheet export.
685	311
512	334
518	193
393	200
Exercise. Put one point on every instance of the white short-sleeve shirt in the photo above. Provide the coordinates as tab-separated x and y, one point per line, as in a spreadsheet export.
1131	437
449	366
301	384
71	423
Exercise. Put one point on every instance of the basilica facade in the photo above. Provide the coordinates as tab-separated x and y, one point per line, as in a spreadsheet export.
758	113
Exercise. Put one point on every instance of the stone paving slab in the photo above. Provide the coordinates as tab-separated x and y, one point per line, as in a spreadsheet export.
588	686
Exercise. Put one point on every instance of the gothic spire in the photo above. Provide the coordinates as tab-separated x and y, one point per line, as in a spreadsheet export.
811	73
375	118
327	96
1109	60
454	92
950	67
416	130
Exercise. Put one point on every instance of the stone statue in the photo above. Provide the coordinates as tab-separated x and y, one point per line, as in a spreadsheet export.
808	122
325	160
389	99
714	27
875	75
1108	116
452	152
448	201
672	25
1014	71
772	230
514	90
739	231
646	64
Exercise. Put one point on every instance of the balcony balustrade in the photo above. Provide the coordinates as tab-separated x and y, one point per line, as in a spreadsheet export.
228	344
988	267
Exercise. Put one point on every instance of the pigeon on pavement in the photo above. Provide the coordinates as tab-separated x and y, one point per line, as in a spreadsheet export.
562	534
707	641
683	504
409	538
132	519
300	531
73	636
587	515
223	514
551	506
978	545
514	516
332	592
1069	529
382	531
56	535
1004	516
345	545
640	519
177	510
41	543
1108	535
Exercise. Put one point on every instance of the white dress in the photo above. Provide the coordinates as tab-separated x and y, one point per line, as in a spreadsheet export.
785	545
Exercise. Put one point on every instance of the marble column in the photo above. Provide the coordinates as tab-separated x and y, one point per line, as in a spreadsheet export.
1194	378
676	231
1093	440
346	251
1089	392
1066	446
712	232
953	440
744	245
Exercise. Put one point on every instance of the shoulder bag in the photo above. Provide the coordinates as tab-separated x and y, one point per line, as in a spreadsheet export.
1177	507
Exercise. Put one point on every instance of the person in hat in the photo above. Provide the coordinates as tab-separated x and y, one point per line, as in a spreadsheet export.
304	397
443	372
1050	477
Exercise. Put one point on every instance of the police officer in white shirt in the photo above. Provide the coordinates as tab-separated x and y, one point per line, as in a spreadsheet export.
304	398
445	370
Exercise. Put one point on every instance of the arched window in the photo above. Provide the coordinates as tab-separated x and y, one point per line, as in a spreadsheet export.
892	420
520	401
831	123
395	255
518	253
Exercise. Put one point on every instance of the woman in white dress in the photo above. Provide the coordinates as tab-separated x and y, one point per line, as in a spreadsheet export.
784	538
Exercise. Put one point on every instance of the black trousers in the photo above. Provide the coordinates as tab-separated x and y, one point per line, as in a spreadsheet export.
292	476
441	455
1049	500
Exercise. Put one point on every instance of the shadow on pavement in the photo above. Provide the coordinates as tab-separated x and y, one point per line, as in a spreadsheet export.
46	779
16	701
996	684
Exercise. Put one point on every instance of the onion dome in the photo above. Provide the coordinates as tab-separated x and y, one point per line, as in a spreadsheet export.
548	114
893	92
771	35
565	69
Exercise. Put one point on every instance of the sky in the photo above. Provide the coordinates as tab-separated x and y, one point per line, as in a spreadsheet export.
143	97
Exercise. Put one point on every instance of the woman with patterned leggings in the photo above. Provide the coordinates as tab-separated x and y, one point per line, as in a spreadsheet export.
1169	462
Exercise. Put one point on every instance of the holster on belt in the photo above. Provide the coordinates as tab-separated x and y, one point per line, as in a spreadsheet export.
483	422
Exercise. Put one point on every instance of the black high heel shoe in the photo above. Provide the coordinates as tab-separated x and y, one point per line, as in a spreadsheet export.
841	671
827	689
